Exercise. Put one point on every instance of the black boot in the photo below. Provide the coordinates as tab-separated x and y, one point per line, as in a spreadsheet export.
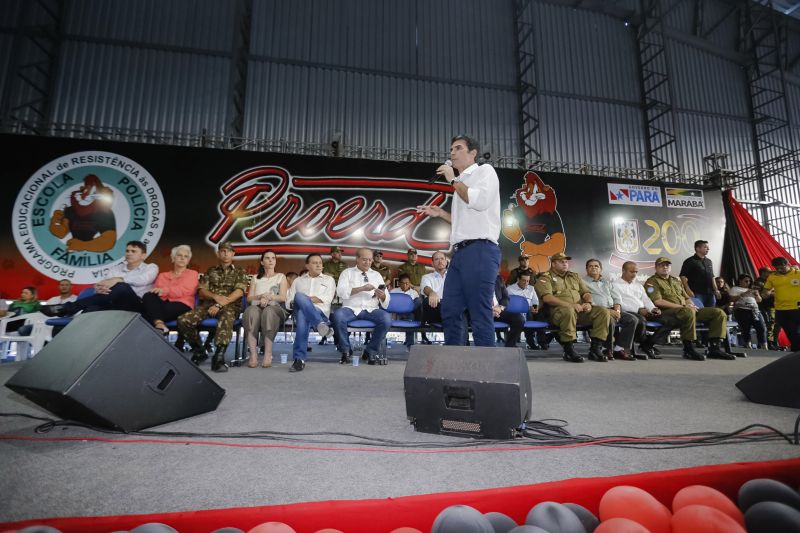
346	358
715	351
198	353
596	351
218	360
569	353
690	353
726	347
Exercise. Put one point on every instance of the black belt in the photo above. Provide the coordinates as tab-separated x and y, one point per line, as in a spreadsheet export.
463	244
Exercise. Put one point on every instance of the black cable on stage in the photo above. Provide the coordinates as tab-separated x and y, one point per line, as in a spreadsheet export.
535	433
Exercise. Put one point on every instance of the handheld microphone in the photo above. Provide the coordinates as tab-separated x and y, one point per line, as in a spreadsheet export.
436	176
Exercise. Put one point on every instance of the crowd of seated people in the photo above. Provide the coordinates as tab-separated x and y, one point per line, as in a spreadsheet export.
327	295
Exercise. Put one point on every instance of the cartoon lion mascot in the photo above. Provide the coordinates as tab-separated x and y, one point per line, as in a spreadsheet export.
89	218
534	222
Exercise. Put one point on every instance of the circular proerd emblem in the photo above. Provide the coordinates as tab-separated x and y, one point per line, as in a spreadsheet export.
74	215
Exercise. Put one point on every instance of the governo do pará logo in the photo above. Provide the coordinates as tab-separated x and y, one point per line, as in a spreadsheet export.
74	215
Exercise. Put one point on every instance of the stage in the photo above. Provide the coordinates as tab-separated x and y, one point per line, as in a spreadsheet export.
79	472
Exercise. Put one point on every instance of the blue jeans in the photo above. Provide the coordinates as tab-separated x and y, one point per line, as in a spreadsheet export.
708	299
382	320
306	316
469	286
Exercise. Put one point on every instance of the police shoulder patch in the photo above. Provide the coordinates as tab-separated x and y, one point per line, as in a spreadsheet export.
650	289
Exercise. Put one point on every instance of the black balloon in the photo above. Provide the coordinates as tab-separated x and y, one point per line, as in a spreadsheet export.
589	521
766	490
153	527
772	517
461	519
528	529
554	518
500	522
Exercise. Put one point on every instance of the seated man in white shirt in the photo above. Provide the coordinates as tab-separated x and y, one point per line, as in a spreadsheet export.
432	287
363	294
524	288
406	288
310	298
122	290
635	303
64	294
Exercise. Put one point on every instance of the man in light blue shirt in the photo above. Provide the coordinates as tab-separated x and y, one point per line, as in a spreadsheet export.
604	294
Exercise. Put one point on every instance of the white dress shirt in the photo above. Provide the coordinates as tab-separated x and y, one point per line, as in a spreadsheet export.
322	286
529	293
435	281
141	279
480	218
352	278
411	293
632	296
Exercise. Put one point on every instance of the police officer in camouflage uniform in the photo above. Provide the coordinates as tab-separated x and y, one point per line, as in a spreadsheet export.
380	267
334	266
221	292
414	270
678	310
569	302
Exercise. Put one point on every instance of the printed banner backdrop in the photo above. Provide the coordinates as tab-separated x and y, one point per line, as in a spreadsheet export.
73	205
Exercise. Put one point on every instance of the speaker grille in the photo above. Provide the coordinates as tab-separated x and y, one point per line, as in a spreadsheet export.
461	426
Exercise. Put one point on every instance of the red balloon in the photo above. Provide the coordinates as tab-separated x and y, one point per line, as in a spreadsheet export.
702	495
704	519
272	527
405	530
620	525
329	530
637	505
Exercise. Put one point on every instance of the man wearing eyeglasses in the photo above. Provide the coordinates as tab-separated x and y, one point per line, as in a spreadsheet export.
364	296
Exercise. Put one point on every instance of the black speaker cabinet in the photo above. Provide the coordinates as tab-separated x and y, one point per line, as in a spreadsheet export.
778	383
112	369
467	391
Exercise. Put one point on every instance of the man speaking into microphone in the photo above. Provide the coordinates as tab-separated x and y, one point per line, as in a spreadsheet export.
475	228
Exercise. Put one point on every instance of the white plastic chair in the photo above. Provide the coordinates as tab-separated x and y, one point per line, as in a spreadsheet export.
31	344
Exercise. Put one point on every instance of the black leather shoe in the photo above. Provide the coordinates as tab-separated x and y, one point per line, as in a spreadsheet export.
690	353
346	359
649	351
715	352
198	354
218	360
298	366
570	355
596	352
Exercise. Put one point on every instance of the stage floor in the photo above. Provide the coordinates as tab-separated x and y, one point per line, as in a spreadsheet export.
132	475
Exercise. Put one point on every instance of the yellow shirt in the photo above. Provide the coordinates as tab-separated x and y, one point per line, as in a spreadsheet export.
787	289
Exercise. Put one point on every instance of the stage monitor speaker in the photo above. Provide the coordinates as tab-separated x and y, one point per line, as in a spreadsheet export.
778	383
112	369
467	391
